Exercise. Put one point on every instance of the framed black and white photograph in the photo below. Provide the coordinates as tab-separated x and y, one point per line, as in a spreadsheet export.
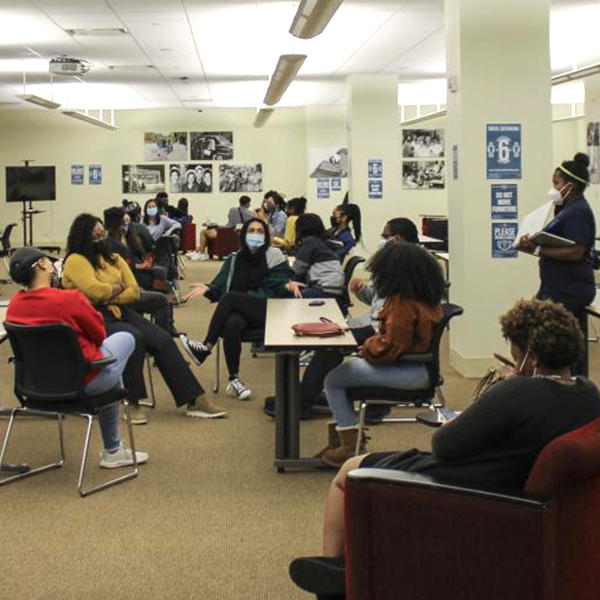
190	178
211	145
422	143
166	146
143	179
423	175
240	178
328	162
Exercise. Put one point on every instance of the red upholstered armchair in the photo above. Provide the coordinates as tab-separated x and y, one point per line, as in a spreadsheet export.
226	242
410	537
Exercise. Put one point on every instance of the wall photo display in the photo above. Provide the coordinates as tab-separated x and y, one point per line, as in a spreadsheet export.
428	172
422	143
143	179
211	145
423	175
240	178
190	178
166	146
329	162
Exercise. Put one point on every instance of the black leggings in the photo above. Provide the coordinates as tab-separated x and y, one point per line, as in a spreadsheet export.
235	313
151	338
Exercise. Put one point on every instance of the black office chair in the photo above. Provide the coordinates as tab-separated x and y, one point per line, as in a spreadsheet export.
256	337
410	398
349	269
50	373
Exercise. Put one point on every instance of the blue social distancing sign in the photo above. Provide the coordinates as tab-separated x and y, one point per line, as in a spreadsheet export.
503	150
323	188
503	237
375	168
504	201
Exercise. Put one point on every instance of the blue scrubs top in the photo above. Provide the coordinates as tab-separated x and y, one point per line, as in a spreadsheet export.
571	282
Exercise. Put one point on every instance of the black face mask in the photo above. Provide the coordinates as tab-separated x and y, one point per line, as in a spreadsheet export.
101	247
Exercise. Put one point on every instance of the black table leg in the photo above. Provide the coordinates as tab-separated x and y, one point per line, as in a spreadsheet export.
287	415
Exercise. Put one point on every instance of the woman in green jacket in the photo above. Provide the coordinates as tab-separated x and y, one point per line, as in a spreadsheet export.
248	277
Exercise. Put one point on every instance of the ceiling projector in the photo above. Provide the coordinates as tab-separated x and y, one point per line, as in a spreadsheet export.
69	66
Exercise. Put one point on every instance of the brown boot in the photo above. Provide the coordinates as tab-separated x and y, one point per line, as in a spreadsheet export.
336	457
333	439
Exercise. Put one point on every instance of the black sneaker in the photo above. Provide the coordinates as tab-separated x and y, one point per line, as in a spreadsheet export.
198	351
320	575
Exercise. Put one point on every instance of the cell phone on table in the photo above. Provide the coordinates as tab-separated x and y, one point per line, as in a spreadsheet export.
316	303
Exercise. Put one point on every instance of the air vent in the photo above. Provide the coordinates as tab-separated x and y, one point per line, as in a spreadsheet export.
99	32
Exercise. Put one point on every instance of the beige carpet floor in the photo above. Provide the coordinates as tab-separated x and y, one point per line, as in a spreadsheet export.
208	517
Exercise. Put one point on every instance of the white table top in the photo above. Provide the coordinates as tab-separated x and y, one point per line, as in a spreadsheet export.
594	307
443	255
283	313
425	239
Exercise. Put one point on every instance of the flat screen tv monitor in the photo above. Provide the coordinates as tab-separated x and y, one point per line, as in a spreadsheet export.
30	184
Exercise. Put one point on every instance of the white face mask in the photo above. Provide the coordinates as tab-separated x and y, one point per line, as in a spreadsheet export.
555	196
381	243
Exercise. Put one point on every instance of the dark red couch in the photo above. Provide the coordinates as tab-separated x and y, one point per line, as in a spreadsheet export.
410	537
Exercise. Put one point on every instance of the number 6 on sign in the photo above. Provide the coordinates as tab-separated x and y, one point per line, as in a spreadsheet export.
503	142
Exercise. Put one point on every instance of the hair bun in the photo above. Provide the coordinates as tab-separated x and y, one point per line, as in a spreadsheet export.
582	159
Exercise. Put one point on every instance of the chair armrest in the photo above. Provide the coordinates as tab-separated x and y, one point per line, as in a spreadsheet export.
435	539
432	484
103	362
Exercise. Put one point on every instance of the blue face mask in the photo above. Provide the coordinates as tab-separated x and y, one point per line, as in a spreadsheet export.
255	240
152	212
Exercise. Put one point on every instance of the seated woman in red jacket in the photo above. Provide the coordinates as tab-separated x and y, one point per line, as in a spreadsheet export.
39	303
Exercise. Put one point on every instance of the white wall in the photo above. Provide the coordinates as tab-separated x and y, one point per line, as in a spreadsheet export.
51	138
283	147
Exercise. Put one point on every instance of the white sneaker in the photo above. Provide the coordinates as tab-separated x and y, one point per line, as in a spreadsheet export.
123	457
236	387
198	256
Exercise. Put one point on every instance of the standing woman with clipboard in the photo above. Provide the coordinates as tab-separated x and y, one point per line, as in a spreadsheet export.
567	273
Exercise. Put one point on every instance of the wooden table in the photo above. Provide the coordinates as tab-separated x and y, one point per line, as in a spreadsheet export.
279	337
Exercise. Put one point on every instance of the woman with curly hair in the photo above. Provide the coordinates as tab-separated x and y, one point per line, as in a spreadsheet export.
495	442
411	310
497	439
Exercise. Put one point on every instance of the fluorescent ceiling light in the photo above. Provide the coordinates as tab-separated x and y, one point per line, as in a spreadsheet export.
286	70
23	65
262	116
43	102
87	119
99	32
312	17
576	74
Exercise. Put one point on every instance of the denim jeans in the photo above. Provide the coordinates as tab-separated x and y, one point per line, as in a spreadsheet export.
359	373
120	345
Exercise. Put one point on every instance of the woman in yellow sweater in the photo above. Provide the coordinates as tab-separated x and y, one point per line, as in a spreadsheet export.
108	282
294	208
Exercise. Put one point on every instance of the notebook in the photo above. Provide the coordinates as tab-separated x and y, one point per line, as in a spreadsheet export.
533	225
